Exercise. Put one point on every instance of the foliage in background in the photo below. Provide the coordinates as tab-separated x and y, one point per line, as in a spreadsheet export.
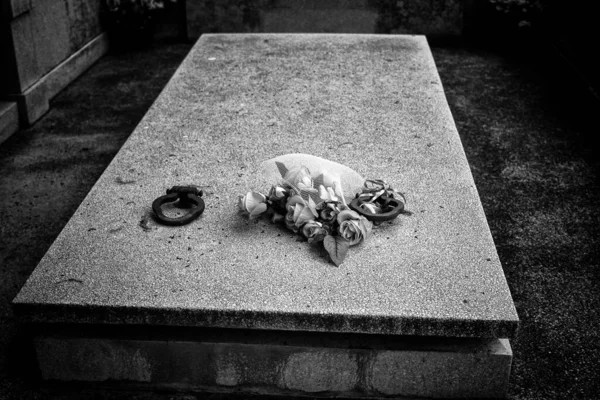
230	15
407	16
134	5
523	11
131	23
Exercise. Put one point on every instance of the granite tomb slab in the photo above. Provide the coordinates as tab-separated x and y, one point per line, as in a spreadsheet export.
374	103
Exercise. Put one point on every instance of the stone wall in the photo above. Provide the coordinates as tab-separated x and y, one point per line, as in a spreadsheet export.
45	33
479	370
37	38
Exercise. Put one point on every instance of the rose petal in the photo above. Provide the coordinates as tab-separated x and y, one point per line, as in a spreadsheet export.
298	175
313	207
323	193
293	200
304	216
259	209
366	227
332	195
297	210
337	188
347	214
253	199
279	192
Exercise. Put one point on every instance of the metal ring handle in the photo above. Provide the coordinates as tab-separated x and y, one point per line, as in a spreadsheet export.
397	208
186	199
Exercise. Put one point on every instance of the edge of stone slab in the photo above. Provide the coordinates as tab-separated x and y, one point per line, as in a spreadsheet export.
272	337
313	34
244	319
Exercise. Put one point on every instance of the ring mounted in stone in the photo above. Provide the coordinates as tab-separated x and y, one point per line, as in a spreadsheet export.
187	197
390	206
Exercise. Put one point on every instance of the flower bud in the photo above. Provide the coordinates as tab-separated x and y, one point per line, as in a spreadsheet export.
314	231
252	204
277	193
329	213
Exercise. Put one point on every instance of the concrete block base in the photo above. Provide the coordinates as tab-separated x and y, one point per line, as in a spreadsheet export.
282	363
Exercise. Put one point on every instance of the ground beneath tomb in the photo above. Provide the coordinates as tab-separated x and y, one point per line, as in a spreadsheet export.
530	143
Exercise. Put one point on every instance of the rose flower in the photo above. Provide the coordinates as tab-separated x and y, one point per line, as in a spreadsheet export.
314	231
329	212
298	213
353	227
252	204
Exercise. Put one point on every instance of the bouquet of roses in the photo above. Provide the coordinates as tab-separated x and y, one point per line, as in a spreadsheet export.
313	204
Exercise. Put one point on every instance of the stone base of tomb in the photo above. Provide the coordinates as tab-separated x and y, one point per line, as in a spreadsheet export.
274	362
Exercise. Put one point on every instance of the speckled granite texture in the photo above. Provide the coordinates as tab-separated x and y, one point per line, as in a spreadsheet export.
373	103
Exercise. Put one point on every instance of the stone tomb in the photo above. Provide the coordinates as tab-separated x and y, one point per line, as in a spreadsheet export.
421	309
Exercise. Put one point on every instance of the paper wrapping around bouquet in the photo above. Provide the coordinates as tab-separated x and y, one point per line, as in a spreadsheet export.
343	180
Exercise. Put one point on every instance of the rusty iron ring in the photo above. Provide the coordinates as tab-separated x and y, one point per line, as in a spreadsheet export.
392	207
187	197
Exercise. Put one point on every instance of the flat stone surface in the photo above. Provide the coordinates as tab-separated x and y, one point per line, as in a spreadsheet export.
373	103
